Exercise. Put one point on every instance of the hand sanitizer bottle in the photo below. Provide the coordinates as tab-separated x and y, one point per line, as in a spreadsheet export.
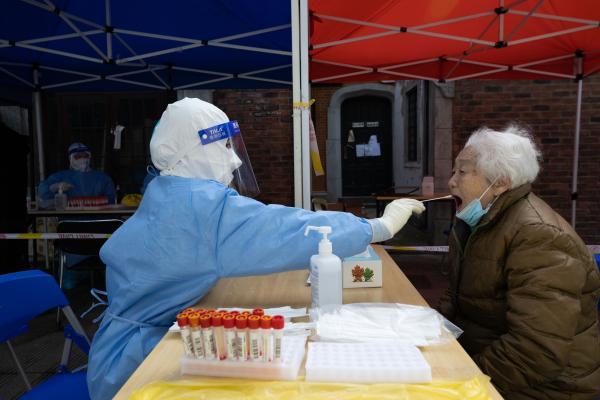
325	272
60	199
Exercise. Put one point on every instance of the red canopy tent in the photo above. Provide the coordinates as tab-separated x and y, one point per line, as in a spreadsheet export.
448	40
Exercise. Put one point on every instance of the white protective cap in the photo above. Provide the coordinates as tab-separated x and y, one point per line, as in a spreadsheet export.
176	148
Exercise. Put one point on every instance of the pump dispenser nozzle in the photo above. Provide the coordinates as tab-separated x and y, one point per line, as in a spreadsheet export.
325	246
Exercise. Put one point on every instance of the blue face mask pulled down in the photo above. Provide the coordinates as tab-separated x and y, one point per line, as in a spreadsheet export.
474	211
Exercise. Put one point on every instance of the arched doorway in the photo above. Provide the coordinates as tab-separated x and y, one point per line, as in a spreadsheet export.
366	145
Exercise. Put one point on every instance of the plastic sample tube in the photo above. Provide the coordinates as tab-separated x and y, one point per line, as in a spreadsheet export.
229	328
241	324
277	324
186	335
258	311
267	339
208	337
253	324
217	325
194	321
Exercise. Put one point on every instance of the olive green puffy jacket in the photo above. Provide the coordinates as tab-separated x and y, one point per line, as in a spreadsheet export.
524	289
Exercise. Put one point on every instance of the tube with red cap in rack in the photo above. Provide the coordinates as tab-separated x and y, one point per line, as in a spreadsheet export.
241	324
265	326
255	337
277	323
217	325
186	335
208	337
229	329
194	321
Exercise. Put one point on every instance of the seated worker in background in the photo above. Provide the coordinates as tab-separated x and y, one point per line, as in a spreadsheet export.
523	285
192	229
80	179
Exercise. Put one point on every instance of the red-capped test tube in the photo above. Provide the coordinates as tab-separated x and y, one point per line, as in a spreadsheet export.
217	325
241	324
186	335
194	321
258	311
208	337
255	338
229	328
277	323
267	339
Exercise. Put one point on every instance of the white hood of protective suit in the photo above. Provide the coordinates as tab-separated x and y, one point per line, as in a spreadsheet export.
176	148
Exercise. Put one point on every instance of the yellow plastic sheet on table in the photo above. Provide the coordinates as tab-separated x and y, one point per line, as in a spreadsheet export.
233	389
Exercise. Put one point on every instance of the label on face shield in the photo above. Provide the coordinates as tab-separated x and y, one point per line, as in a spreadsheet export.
219	132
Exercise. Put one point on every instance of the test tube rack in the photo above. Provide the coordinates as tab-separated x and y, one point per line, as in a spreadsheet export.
293	349
383	362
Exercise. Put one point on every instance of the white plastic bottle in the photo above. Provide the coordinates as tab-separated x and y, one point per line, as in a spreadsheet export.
325	272
60	199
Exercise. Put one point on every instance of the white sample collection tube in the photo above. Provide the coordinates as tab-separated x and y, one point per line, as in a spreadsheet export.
241	324
230	343
277	323
217	325
255	337
194	322
267	339
208	337
186	335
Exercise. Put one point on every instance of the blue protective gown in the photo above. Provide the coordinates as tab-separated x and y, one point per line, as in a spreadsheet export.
186	234
89	183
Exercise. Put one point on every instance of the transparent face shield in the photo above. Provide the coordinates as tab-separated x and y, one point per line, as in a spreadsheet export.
234	158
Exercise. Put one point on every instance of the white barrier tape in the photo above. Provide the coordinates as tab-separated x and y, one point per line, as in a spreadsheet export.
594	248
46	236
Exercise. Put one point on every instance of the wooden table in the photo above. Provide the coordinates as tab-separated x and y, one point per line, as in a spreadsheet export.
448	362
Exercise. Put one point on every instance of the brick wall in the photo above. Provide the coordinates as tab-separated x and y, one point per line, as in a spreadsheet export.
322	96
548	108
266	121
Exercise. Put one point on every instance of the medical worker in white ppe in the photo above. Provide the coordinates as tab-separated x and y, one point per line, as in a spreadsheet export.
194	226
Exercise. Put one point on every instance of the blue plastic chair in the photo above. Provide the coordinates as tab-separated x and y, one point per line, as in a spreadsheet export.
25	295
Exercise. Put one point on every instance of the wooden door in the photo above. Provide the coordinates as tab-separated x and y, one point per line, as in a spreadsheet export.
364	170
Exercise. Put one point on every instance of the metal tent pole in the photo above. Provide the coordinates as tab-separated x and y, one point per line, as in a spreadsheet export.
297	126
576	151
305	109
37	114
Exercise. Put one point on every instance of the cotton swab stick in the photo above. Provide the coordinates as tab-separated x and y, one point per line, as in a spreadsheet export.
437	198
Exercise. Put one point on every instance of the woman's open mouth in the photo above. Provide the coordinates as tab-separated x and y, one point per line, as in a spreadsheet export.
458	201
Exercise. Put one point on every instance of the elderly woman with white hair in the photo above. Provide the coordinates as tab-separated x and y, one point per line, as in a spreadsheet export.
523	285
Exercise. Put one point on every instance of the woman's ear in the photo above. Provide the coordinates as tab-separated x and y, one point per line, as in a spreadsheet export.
502	185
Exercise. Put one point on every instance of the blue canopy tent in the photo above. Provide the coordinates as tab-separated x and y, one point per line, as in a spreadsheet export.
104	45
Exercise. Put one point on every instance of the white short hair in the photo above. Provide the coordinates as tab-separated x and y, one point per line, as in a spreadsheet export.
510	153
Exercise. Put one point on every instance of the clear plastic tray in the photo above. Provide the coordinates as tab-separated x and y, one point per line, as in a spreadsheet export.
293	349
366	363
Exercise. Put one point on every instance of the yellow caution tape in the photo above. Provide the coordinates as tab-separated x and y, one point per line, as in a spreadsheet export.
304	104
